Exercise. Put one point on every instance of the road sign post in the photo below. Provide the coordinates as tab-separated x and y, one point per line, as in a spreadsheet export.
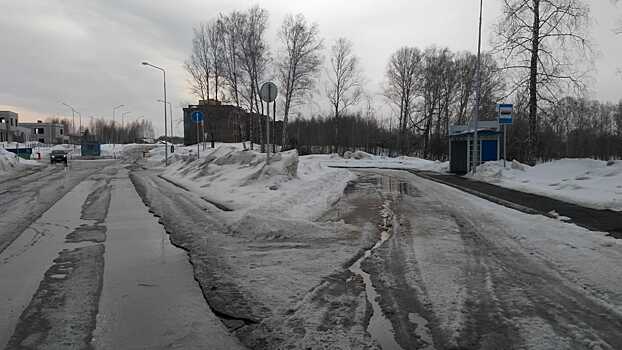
268	93
197	118
505	111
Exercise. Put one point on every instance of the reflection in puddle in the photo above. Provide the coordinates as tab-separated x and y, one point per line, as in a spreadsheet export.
379	327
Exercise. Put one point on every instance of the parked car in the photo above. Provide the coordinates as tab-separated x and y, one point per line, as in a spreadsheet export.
58	156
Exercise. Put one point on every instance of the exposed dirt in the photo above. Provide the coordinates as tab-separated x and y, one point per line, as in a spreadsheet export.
62	313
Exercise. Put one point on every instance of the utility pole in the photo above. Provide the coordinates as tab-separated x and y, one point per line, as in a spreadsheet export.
476	151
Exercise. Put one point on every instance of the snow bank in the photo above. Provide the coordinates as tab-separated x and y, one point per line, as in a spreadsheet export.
360	159
290	187
593	183
9	162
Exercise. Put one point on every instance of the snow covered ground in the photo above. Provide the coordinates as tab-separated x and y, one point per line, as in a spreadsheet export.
361	159
291	186
592	183
9	163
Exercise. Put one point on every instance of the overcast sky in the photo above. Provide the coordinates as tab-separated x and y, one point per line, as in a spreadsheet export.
87	53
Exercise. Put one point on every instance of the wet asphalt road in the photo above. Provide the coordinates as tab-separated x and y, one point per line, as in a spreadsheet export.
85	265
453	277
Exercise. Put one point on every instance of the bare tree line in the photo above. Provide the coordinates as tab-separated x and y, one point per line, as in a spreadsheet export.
104	131
541	53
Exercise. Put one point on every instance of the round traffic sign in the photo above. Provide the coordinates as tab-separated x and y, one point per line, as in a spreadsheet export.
197	116
268	92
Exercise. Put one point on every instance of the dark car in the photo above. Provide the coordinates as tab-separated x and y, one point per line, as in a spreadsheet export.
58	156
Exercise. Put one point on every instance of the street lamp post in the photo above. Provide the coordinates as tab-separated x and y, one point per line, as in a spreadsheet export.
170	115
123	123
165	122
139	118
478	98
80	125
114	132
73	117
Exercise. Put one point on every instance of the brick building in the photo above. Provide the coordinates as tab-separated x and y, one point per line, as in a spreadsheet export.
225	123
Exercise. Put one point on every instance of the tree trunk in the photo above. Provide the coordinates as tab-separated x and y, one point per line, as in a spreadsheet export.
533	83
285	121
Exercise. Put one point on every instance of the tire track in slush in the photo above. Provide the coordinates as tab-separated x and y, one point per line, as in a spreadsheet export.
62	313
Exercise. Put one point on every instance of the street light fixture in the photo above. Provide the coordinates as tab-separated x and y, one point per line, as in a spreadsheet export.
144	63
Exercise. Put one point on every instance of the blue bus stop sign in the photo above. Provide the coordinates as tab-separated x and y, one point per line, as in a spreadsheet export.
505	113
197	117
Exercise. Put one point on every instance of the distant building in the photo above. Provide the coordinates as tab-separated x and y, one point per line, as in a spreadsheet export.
225	123
48	133
8	126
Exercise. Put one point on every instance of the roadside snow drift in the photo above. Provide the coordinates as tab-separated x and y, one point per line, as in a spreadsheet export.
361	159
288	187
592	183
9	162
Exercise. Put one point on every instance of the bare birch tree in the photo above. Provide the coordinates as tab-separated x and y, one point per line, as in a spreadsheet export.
215	37
298	63
540	41
254	57
200	59
197	82
231	26
401	89
344	81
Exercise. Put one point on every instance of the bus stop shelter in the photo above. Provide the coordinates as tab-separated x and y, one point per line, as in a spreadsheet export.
461	144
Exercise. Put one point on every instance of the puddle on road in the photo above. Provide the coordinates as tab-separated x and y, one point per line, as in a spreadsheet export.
150	299
380	326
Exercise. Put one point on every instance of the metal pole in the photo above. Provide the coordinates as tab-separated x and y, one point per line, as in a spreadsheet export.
198	148
505	143
274	127
476	151
268	127
165	122
165	127
73	120
114	110
170	106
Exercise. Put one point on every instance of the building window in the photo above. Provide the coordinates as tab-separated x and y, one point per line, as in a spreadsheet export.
61	131
40	131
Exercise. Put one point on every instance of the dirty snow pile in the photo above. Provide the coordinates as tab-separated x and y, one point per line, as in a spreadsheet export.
593	183
290	187
359	159
9	162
